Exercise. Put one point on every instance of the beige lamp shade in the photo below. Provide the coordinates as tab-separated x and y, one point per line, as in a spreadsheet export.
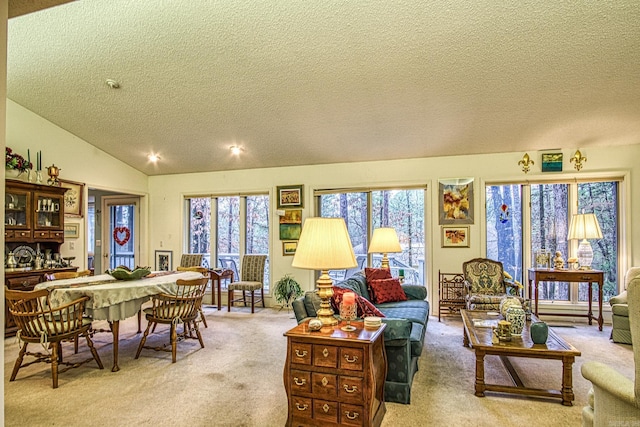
584	226
324	244
384	240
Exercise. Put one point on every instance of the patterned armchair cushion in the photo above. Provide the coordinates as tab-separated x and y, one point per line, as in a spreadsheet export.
484	276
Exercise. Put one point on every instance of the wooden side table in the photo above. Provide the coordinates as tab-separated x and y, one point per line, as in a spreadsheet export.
537	275
333	377
217	276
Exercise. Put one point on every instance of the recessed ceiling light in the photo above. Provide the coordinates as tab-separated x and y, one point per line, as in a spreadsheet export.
154	158
113	84
235	150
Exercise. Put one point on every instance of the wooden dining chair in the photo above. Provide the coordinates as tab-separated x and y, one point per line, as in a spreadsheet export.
40	323
181	306
72	275
67	275
205	272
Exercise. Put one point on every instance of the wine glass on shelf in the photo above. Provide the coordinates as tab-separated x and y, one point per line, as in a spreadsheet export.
348	313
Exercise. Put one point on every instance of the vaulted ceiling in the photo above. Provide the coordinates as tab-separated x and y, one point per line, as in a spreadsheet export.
313	82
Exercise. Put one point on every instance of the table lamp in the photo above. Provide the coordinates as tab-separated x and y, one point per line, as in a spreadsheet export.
384	240
584	226
324	245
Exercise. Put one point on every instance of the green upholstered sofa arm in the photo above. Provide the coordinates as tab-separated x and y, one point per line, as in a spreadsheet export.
619	299
417	292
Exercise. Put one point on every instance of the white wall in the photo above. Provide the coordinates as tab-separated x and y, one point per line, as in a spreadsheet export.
162	204
78	161
167	192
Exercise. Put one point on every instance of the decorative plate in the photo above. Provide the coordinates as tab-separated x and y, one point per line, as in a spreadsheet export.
24	254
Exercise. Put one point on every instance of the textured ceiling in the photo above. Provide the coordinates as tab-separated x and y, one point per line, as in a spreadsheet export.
312	82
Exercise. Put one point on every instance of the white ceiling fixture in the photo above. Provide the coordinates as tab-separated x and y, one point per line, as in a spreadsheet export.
154	158
235	150
113	84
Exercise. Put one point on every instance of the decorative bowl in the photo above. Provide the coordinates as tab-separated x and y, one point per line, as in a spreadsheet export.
124	273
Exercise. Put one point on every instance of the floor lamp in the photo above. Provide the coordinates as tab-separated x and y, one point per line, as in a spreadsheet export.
324	245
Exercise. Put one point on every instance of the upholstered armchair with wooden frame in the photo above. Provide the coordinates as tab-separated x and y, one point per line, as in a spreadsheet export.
41	324
251	280
205	273
182	306
485	284
614	400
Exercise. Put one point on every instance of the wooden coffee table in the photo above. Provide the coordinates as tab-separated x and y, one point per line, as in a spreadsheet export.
555	349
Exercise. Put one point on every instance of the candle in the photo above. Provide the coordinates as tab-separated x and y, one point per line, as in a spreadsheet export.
28	156
349	298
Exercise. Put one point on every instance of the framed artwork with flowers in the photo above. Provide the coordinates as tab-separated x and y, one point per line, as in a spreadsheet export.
73	198
455	201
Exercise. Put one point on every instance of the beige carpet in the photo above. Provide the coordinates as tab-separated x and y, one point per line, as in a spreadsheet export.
236	380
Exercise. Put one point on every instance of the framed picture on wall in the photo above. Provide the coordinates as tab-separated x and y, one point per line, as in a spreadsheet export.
291	224
72	198
71	231
455	201
455	237
290	196
164	260
289	248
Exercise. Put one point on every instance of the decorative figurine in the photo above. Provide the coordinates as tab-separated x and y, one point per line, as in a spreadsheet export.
558	261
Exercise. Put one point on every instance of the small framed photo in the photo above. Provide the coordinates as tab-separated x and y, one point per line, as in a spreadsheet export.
71	231
289	248
455	237
164	260
72	198
290	196
552	162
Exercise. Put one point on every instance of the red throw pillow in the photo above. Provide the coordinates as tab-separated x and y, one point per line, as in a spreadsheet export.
375	274
387	290
365	308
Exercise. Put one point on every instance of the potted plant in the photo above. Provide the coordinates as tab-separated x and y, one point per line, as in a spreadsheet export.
286	290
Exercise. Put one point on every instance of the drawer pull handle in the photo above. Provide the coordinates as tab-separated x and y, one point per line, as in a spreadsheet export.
325	352
299	382
352	389
326	408
354	360
351	416
301	407
325	381
303	354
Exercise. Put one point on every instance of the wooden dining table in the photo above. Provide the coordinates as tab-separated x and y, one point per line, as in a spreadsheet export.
114	300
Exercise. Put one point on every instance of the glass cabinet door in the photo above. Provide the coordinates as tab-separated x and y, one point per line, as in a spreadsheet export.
49	209
16	207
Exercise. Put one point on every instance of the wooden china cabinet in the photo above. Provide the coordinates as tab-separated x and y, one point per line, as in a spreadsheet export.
33	219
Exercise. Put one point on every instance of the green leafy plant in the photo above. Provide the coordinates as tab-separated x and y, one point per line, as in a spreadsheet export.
286	290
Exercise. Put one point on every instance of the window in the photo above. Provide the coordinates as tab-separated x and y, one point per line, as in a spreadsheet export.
241	225
363	211
547	208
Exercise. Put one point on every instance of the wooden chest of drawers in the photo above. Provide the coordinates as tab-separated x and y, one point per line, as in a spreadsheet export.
333	377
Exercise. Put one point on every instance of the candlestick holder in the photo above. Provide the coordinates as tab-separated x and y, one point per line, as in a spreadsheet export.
38	177
348	313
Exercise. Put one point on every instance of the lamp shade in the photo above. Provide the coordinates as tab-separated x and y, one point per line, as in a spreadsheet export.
584	226
384	240
324	244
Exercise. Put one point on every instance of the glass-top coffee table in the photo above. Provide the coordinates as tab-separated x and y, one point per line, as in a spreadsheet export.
478	335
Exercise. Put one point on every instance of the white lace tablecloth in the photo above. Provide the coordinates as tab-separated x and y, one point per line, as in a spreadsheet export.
113	299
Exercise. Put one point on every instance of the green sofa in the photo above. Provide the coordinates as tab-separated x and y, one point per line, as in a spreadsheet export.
403	337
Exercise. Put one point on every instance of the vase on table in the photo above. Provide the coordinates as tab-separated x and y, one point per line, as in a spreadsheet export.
517	317
507	302
539	332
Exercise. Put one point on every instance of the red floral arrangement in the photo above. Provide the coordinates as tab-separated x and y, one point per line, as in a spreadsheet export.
16	161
